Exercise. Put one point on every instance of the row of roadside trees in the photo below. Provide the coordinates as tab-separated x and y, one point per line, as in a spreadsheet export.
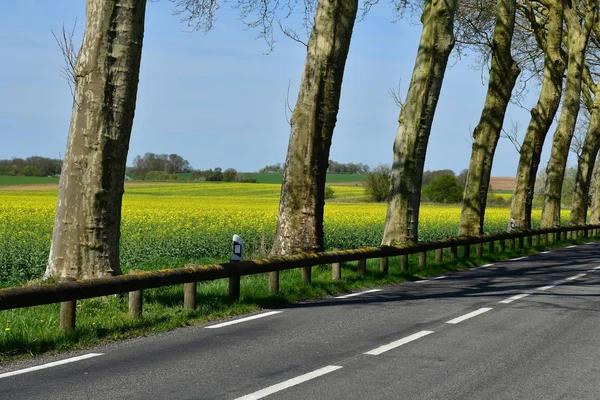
519	39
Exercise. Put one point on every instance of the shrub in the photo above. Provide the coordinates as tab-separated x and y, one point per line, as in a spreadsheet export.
160	176
329	192
442	189
377	183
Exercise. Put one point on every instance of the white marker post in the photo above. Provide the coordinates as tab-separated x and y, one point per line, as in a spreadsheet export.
234	282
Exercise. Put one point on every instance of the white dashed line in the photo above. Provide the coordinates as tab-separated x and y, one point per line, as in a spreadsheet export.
237	321
289	383
596	268
572	278
546	287
398	343
483	266
570	247
517	259
546	252
469	315
358	294
513	298
49	365
439	277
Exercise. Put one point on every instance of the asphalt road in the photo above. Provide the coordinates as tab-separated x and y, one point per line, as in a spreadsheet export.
521	329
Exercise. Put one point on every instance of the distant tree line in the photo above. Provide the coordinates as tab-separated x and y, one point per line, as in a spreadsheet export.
334	168
218	175
169	164
31	166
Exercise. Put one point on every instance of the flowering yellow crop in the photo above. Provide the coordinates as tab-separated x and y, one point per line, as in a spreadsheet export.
167	225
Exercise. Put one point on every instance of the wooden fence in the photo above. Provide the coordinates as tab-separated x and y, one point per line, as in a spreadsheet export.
67	293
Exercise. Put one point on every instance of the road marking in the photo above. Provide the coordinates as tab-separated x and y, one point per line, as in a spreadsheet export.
469	315
517	259
483	266
421	281
398	343
546	287
546	252
590	243
598	267
289	383
237	321
439	277
572	278
570	247
513	298
49	365
359	293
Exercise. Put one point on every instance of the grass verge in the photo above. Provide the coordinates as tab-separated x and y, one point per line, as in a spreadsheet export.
32	331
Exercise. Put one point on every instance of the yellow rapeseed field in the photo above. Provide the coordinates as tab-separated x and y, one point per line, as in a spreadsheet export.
168	225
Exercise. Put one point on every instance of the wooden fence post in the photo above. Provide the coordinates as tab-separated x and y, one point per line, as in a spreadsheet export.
479	248
529	241
306	275
438	255
135	300
537	240
511	244
467	251
67	315
274	282
453	252
362	267
423	259
336	271
491	248
383	265
521	242
189	295
404	262
502	246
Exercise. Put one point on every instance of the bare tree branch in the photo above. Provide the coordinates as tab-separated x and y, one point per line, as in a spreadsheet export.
396	95
513	135
64	40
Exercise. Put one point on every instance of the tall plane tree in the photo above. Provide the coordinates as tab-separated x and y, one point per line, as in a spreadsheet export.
85	240
504	72
416	117
549	38
577	41
300	219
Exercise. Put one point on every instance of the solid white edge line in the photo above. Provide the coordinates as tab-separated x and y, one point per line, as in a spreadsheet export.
518	258
358	294
398	343
572	278
545	252
289	383
513	298
546	287
237	321
421	281
49	365
469	315
570	247
439	277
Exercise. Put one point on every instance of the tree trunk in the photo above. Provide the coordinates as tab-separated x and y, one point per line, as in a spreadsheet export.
300	220
595	208
416	117
577	41
542	116
585	164
85	240
503	77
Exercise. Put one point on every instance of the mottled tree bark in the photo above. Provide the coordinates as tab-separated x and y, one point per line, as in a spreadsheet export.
577	40
585	164
503	77
595	207
300	220
416	117
542	116
85	240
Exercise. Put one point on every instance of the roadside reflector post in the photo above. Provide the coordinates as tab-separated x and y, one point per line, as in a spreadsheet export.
67	315
236	256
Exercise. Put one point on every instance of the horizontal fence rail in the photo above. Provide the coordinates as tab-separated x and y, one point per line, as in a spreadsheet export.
72	291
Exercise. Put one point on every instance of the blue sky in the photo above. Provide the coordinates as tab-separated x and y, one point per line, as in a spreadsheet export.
218	100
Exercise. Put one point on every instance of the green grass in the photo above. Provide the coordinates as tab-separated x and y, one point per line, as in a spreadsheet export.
30	331
26	180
